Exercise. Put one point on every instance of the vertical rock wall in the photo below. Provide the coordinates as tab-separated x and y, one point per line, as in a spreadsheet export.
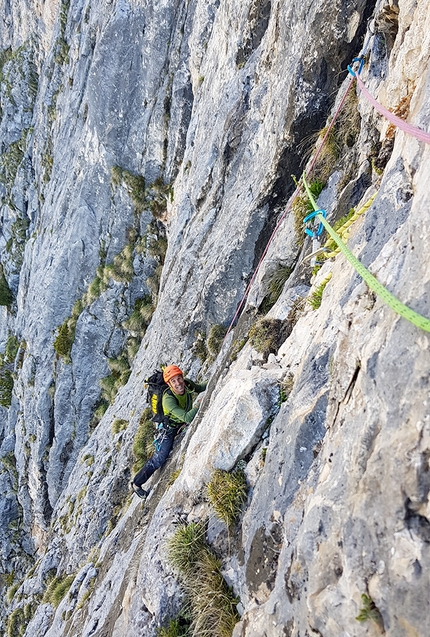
128	123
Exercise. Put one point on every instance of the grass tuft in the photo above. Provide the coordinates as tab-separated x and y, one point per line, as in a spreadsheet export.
212	604
199	346
286	387
315	298
265	335
16	623
215	339
227	493
7	361
119	425
278	279
57	589
143	448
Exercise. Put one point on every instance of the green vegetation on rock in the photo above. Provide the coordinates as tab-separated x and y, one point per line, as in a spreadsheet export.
199	346
65	338
57	589
143	447
6	296
16	243
212	605
286	387
215	339
119	425
369	611
315	299
302	207
7	360
266	335
227	493
178	627
120	373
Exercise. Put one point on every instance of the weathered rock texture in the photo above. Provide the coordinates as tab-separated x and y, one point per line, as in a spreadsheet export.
123	123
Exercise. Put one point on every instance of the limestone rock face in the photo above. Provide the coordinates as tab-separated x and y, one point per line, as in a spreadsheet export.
146	160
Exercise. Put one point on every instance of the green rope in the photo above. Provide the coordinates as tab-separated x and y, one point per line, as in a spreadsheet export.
396	305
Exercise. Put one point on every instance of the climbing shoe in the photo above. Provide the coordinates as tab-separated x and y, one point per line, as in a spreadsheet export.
139	491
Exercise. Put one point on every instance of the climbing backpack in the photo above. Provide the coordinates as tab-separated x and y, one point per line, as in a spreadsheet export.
156	388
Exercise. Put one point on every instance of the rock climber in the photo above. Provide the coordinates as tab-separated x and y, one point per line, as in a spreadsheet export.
177	404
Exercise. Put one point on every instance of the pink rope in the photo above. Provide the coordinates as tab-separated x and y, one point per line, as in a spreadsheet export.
287	209
418	133
397	121
248	287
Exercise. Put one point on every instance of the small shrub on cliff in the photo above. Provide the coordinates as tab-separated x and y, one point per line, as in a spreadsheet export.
215	339
212	604
227	493
6	387
265	335
368	611
6	296
65	339
177	628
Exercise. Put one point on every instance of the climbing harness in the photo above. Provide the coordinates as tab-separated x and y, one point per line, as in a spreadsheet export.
163	431
396	305
159	436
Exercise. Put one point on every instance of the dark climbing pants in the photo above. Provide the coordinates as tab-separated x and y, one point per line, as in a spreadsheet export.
158	459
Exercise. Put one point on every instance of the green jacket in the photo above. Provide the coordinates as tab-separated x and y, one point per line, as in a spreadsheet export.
180	409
